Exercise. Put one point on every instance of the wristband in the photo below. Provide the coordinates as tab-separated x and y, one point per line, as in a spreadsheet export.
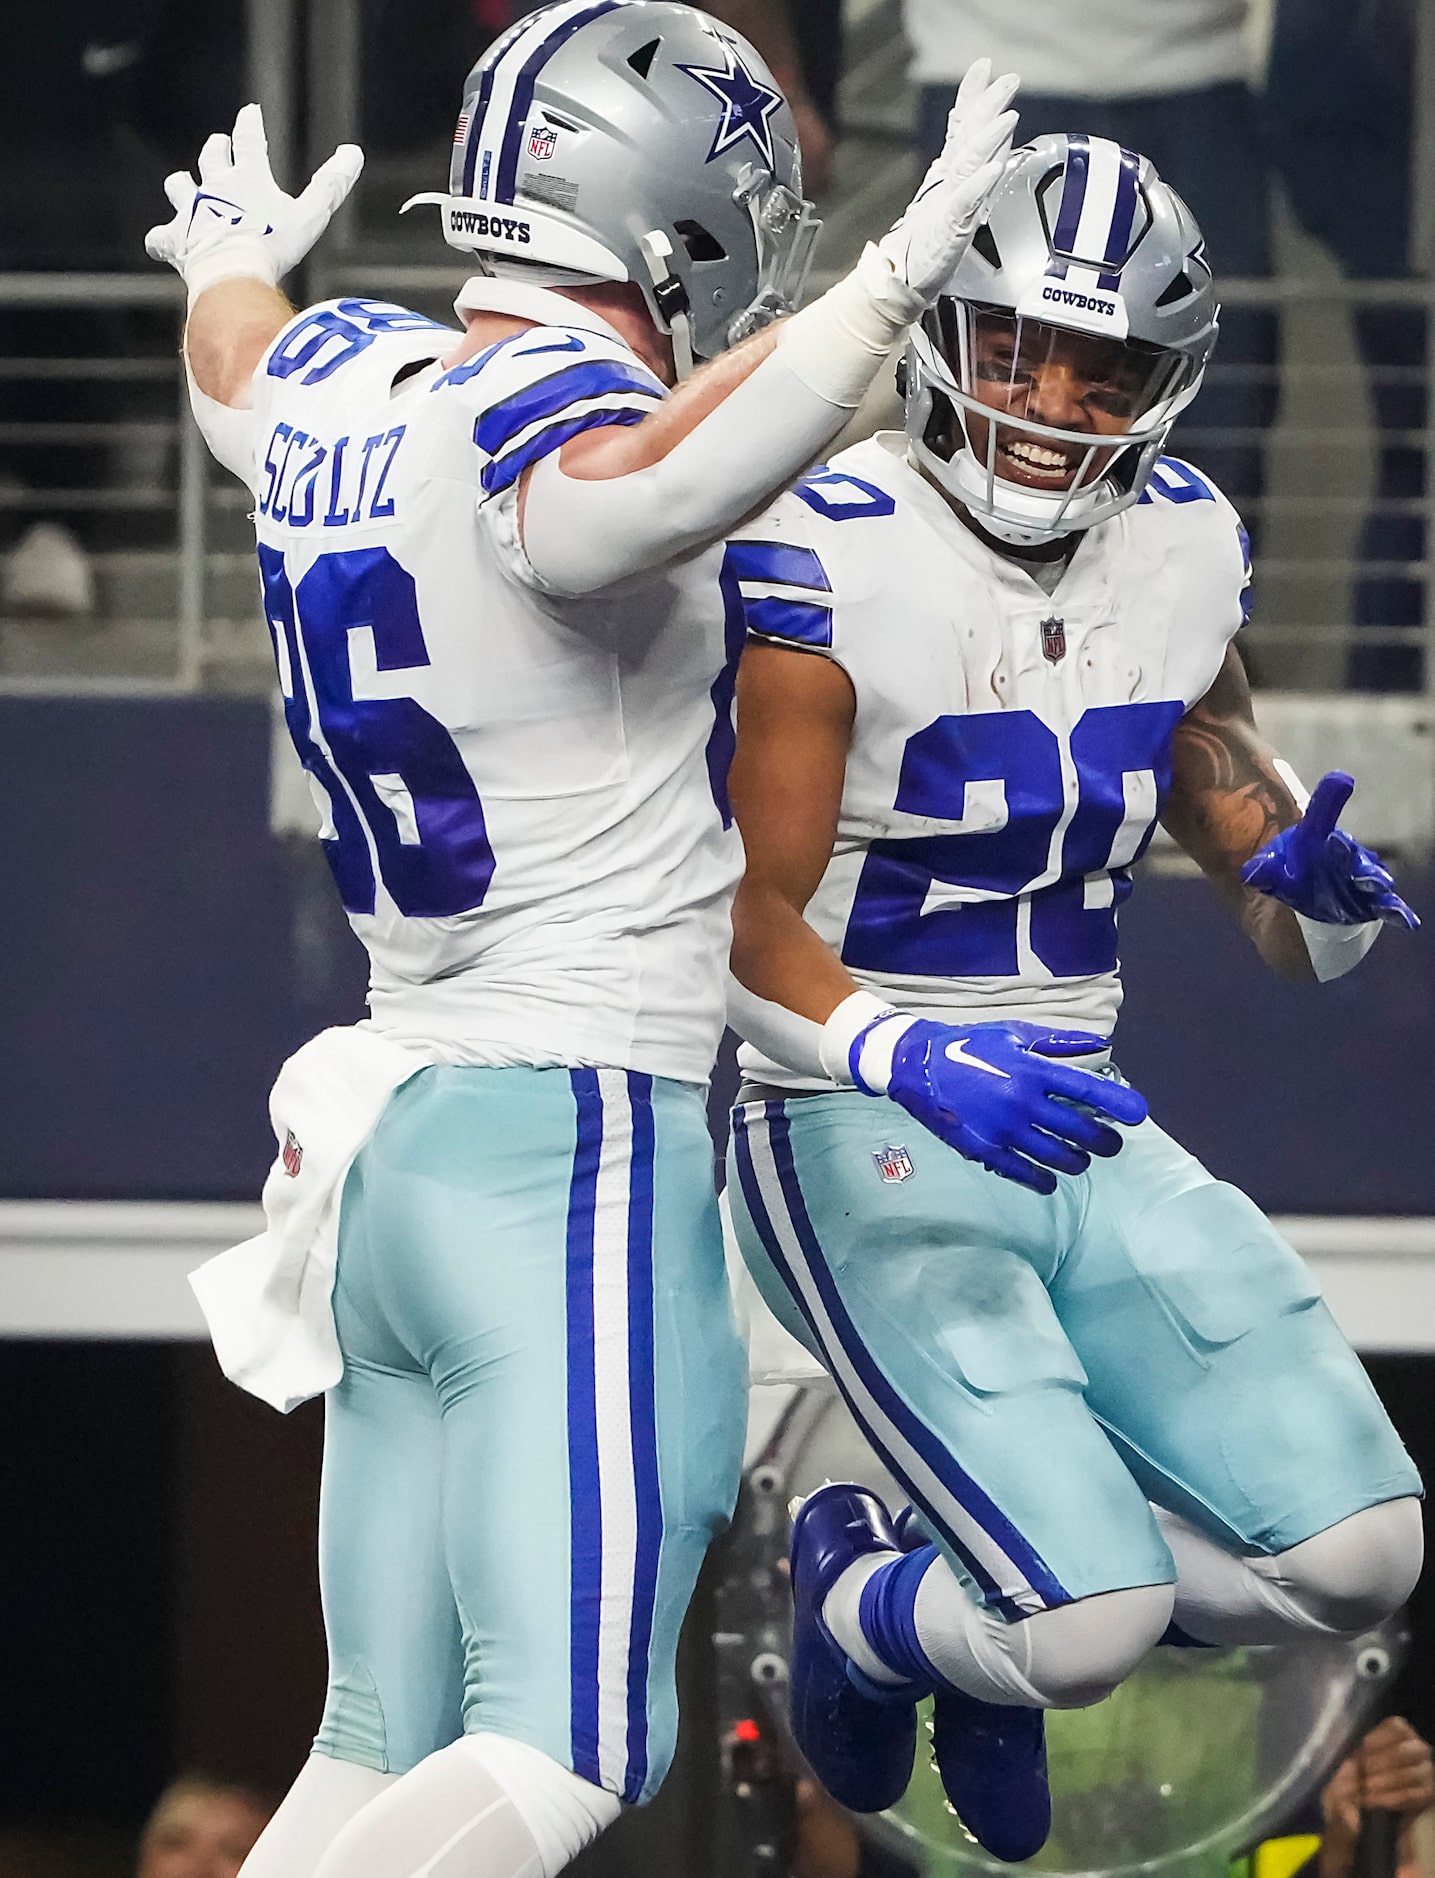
241	257
857	1042
1335	950
837	345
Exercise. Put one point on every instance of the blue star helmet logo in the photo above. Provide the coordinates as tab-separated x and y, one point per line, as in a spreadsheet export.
748	105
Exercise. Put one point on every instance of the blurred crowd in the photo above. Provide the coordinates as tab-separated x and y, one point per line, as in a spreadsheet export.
1389	1770
1232	99
201	1828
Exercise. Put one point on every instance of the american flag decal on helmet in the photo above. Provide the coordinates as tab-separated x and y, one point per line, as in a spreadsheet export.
1053	640
893	1163
465	118
292	1154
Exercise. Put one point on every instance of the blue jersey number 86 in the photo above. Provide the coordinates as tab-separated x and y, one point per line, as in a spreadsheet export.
402	800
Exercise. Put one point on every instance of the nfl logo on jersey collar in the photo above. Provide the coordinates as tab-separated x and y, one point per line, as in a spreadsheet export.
893	1163
1053	640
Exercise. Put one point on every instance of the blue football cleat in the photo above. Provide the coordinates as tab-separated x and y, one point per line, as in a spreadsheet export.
992	1761
859	1738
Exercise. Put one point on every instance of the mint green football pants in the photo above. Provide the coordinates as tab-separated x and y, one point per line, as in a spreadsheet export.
1035	1370
540	1422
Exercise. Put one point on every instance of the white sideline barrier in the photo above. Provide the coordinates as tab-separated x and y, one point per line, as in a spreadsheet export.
80	1268
110	1268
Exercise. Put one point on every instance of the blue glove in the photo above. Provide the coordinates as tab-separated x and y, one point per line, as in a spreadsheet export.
993	1092
1318	870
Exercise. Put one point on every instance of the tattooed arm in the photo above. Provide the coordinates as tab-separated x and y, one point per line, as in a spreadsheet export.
1227	801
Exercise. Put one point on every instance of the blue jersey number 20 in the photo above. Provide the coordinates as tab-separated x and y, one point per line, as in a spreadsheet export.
1073	933
401	796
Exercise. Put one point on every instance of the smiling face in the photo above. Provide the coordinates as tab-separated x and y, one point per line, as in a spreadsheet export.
1063	381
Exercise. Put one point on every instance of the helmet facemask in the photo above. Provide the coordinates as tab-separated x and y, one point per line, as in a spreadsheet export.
1039	429
785	231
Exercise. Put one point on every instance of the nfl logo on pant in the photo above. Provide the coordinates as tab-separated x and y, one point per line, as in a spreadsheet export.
893	1163
1053	640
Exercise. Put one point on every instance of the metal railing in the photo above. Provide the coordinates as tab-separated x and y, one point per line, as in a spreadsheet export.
181	613
151	630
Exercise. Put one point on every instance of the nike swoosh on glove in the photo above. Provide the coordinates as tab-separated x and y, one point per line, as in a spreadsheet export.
937	227
995	1093
1318	870
236	221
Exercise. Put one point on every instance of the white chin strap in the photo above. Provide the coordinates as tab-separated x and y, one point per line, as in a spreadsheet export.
658	254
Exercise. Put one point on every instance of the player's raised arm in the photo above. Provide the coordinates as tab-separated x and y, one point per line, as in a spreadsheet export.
617	500
1311	898
233	236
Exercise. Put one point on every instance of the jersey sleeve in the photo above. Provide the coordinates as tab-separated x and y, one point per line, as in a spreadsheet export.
1214	552
534	390
776	567
231	434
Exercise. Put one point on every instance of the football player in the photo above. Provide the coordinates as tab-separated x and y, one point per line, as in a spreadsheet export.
493	569
984	658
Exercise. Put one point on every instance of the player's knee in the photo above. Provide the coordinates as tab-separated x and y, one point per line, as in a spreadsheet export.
1079	1652
562	1812
1358	1571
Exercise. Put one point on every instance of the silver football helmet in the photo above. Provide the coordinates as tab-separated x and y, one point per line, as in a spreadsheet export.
634	140
1043	384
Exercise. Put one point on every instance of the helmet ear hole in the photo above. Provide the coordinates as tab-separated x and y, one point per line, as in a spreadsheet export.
699	242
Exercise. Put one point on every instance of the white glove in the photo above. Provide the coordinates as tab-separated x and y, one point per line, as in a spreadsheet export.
936	230
236	221
836	345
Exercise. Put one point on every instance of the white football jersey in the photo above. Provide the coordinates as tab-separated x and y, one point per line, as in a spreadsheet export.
523	797
1012	748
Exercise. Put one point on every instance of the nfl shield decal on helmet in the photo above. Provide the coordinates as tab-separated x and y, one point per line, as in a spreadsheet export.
542	143
1053	640
893	1163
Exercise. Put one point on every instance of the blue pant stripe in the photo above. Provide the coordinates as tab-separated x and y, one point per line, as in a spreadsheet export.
762	1219
963	1489
922	1439
642	1391
586	1557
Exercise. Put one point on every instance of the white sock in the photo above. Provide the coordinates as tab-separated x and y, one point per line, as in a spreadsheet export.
321	1802
1336	1583
484	1807
841	1612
